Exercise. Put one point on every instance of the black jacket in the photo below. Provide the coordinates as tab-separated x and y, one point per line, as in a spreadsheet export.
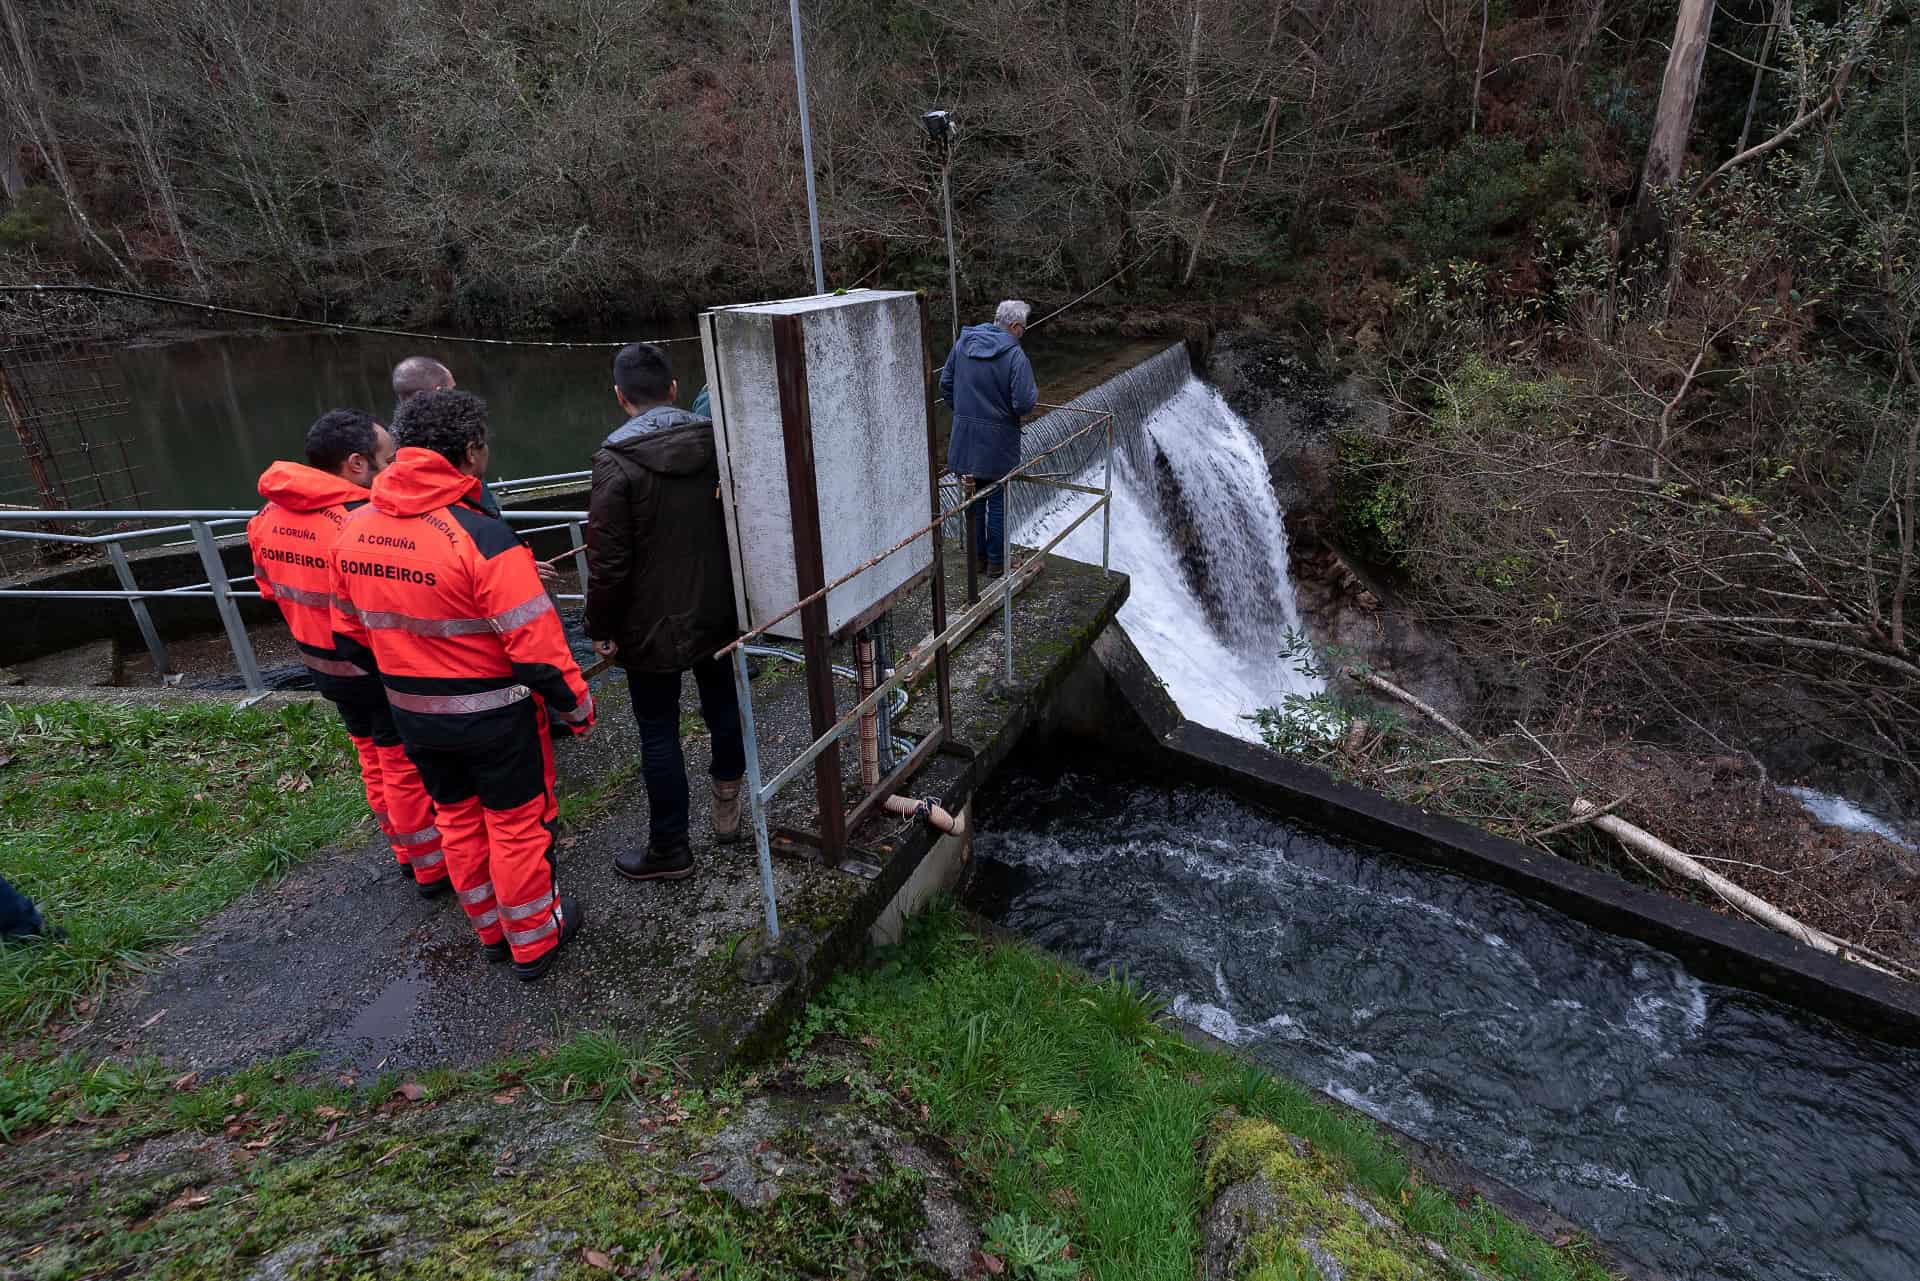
660	580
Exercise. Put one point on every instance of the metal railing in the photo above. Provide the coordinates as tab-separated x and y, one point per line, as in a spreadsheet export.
203	531
761	794
204	534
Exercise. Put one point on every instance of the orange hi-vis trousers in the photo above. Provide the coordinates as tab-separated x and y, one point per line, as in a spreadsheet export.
395	794
494	806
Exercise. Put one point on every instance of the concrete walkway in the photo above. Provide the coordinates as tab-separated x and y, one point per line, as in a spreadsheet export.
343	960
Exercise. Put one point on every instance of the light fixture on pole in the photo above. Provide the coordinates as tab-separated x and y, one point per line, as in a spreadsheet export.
806	146
945	131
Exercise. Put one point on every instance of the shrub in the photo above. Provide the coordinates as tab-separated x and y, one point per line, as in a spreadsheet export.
1489	189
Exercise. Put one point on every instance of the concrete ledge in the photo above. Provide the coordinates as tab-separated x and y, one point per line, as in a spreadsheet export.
1720	948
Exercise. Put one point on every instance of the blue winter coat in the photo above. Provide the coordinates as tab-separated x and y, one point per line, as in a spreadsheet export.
990	385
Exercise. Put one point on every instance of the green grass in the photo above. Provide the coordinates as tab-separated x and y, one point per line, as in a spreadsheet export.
1076	1122
129	826
143	1098
1084	1115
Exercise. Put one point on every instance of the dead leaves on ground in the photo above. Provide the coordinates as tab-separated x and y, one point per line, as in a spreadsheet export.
648	1269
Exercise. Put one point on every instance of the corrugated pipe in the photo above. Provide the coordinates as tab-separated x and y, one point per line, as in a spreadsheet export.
870	723
899	699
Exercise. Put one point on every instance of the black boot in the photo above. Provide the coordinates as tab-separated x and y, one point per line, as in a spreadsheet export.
571	919
669	864
497	952
434	889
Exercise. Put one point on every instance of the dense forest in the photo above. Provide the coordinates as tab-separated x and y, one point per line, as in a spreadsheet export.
1636	277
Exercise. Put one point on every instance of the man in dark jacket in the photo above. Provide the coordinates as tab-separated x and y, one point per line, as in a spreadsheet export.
990	385
660	599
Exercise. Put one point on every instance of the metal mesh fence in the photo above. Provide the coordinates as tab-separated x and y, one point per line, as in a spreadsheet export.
64	425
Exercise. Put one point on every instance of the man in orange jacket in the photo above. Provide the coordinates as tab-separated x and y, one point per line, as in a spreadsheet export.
292	541
444	602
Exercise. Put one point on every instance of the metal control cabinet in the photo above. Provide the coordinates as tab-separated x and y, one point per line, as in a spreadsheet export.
828	395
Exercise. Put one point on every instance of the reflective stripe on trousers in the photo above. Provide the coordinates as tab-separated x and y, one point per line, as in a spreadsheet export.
458	704
333	666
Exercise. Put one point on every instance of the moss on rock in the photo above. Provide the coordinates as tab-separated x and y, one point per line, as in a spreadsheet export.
1298	1218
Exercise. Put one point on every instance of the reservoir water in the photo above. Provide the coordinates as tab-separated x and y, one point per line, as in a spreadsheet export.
208	414
1715	1134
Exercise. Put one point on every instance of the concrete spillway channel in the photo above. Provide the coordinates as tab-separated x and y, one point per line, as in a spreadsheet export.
1701	1093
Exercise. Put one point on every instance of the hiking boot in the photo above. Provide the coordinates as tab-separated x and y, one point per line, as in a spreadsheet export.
726	811
650	864
41	930
572	917
497	952
995	569
434	889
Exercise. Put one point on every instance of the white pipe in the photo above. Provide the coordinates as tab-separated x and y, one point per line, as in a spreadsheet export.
907	807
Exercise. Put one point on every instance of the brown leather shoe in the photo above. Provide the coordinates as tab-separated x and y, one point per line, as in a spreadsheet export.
726	811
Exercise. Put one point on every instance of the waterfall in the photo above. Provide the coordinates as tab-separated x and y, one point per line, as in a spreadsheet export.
1196	526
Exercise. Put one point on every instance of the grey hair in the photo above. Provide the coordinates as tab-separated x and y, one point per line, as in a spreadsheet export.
416	374
1010	313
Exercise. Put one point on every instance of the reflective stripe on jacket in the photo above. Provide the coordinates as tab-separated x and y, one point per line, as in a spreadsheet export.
292	540
445	601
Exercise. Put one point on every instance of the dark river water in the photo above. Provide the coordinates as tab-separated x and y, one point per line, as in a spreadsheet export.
208	415
1716	1135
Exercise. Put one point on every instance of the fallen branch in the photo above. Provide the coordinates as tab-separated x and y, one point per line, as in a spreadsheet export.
1635	838
1388	688
1581	820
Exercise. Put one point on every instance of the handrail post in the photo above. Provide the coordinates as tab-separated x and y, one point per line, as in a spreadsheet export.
755	802
579	553
156	648
1006	571
967	540
1106	514
237	638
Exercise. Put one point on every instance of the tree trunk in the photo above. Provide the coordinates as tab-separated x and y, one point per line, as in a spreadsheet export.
1186	100
1672	123
12	180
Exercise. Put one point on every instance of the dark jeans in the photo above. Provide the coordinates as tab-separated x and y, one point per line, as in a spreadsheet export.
989	522
656	709
17	912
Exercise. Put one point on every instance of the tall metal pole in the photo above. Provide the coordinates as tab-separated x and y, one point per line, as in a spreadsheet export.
806	146
953	269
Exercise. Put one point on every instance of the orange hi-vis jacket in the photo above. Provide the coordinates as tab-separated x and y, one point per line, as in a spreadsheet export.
292	540
445	603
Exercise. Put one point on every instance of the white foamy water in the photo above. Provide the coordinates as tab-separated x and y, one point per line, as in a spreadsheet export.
1219	669
1837	811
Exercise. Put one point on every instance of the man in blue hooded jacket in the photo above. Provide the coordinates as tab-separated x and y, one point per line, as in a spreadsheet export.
990	385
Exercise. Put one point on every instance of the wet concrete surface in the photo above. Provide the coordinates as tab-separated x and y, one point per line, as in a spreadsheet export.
343	960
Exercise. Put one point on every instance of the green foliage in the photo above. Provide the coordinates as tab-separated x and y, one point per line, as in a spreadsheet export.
1031	1251
1374	501
1488	190
35	220
129	826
